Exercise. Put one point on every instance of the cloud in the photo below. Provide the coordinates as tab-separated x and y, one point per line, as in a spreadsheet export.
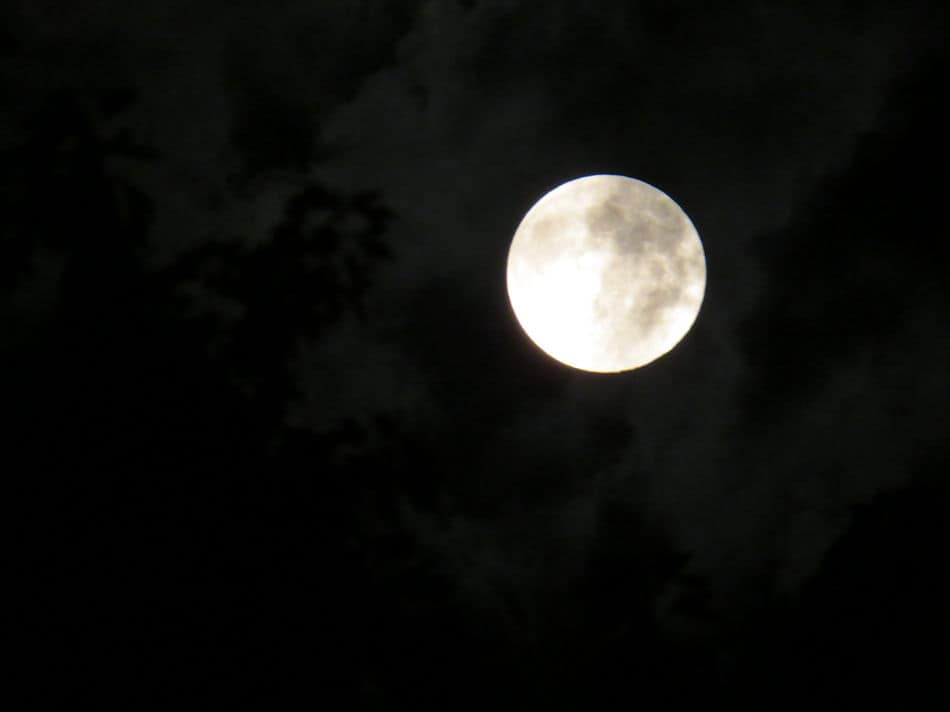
462	115
485	110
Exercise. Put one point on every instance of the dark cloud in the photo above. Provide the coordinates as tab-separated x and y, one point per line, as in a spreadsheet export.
739	114
364	421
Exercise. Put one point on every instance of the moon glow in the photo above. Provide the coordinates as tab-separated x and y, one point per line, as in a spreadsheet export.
606	273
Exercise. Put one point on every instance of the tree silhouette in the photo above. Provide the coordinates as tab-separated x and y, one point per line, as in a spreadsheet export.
178	525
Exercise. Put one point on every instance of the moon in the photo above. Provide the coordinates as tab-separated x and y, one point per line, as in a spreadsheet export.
606	273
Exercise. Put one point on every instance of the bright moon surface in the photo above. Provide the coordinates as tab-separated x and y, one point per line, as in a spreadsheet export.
606	273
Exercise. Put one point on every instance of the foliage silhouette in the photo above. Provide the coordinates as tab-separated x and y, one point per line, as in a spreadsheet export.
174	513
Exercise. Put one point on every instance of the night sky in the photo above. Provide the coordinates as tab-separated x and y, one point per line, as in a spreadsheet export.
275	435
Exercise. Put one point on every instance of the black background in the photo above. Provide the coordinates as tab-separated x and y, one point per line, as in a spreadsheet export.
274	435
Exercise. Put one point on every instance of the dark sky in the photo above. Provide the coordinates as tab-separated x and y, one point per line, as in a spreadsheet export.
282	439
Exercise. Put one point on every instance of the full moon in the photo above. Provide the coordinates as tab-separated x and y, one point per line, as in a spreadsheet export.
606	273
